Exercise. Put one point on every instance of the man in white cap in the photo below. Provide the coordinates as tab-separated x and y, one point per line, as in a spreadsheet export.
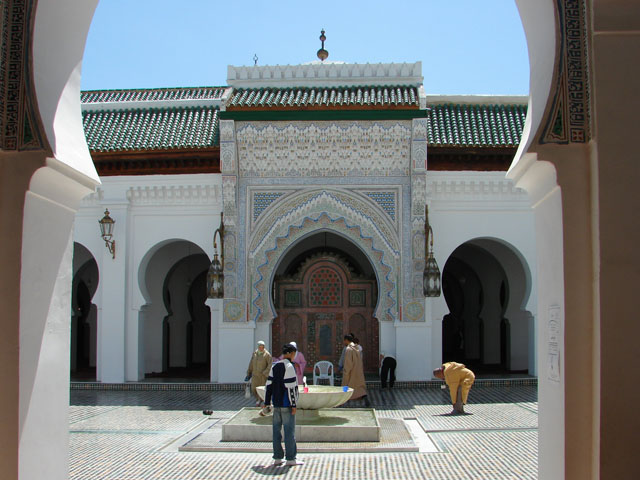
258	369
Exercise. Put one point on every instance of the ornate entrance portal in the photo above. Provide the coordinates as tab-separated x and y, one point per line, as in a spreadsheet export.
319	303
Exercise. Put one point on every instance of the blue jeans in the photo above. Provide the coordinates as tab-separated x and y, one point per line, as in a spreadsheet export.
282	417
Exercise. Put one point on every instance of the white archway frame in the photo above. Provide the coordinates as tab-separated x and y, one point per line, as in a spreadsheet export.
58	42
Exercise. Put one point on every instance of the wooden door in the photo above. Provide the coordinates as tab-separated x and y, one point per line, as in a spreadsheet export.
321	303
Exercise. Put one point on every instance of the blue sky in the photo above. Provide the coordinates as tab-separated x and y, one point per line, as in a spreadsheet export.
466	46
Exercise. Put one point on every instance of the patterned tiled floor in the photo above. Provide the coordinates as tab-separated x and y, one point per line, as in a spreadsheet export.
136	435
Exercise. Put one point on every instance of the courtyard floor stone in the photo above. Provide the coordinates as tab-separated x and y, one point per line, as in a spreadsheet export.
136	435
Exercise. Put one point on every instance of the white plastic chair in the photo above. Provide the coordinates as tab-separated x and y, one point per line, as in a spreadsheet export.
325	370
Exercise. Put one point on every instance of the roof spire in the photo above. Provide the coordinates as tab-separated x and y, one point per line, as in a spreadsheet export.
322	53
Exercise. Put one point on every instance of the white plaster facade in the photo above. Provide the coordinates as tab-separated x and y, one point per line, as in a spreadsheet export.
163	219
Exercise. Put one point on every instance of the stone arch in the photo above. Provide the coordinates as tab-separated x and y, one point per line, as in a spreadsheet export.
497	328
156	268
64	36
299	215
84	318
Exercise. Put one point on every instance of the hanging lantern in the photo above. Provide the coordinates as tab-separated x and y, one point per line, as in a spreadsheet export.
106	232
431	274
215	276
215	279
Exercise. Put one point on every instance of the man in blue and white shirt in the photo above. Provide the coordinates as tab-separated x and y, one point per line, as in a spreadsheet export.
282	391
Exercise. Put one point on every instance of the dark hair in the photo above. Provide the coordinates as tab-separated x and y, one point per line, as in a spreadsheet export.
288	348
356	341
349	336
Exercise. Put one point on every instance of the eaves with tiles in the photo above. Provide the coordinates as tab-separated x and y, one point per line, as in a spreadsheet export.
176	130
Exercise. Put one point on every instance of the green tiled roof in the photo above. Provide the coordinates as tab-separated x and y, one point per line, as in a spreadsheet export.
456	125
152	95
123	121
333	97
151	129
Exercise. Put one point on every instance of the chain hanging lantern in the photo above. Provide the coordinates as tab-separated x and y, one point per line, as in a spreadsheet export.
431	274
215	275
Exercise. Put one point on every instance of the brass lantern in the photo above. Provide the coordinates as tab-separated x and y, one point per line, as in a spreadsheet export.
106	232
215	276
431	274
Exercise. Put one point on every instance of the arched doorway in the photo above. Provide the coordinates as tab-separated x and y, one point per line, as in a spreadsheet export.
83	339
325	288
177	323
486	287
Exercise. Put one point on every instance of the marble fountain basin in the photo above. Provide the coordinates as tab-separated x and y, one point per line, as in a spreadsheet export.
318	396
317	419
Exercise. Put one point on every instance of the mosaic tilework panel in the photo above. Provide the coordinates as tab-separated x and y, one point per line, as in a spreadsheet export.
495	455
479	417
262	200
501	452
386	200
325	288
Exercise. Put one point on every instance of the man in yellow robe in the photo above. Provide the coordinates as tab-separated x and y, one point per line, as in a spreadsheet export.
459	380
352	371
258	369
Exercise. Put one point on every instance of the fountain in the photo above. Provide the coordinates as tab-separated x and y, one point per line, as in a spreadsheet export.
317	419
317	396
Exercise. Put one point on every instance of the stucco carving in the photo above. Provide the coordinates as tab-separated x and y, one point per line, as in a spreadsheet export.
323	149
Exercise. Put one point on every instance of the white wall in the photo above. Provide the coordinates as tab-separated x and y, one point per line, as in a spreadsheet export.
466	206
149	212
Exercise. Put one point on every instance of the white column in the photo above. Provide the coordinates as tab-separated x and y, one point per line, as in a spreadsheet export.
215	306
412	340
45	315
112	311
134	355
231	344
539	179
387	338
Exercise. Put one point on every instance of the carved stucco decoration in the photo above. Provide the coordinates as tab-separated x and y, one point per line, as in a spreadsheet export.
324	148
344	213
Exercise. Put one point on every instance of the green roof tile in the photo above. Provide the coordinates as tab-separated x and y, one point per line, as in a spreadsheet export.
334	97
152	95
116	127
484	125
151	129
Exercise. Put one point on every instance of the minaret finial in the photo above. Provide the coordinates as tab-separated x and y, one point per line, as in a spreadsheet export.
322	53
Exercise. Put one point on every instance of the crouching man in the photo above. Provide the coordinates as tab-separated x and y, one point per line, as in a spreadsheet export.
459	379
282	391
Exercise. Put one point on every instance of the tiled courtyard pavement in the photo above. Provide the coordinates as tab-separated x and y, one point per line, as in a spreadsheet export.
136	435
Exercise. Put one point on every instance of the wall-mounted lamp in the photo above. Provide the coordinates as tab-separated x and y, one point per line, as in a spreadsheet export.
106	232
431	275
215	276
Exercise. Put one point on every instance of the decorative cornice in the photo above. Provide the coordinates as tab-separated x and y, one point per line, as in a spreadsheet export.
175	195
473	186
318	74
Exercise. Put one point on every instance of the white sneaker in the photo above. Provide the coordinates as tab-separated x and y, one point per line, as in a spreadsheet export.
291	463
278	462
